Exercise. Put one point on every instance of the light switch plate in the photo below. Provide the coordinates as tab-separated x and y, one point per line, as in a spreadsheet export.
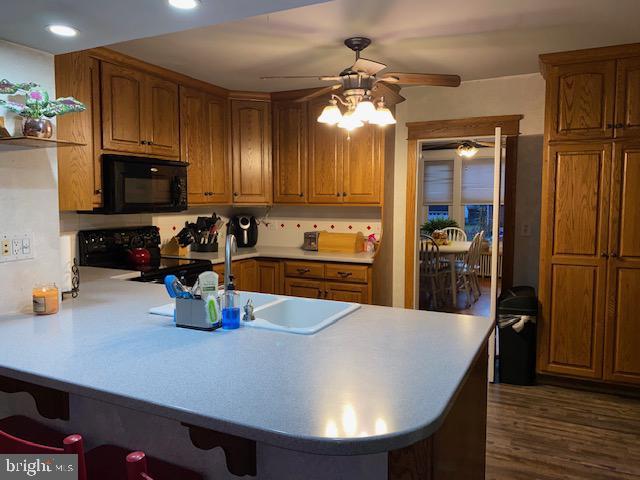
16	247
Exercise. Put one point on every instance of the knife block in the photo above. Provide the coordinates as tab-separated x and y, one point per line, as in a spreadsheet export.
173	249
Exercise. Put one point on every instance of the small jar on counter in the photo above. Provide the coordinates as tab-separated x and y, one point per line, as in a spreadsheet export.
45	299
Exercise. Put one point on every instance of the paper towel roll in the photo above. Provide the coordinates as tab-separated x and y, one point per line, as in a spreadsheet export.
67	254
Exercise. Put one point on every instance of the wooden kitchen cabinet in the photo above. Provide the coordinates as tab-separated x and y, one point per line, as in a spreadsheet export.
622	355
247	271
344	169
299	287
289	152
325	158
346	292
269	277
251	151
628	98
139	112
203	144
580	100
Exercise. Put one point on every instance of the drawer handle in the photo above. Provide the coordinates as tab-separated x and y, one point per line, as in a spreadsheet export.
345	274
303	270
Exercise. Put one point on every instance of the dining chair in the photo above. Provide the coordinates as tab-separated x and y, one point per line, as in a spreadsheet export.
455	234
469	269
137	466
432	271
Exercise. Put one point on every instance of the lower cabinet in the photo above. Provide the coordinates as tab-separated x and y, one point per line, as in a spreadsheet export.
327	280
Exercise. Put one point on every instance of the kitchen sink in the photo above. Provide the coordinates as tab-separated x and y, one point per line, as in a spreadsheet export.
297	315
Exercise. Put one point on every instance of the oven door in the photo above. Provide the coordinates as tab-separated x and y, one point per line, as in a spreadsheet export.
138	185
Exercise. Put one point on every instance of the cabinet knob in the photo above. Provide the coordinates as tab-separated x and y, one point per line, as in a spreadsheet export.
619	125
235	194
338	194
609	125
604	255
301	194
614	254
98	191
344	194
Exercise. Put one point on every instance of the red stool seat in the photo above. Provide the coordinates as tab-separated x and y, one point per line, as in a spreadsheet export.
107	462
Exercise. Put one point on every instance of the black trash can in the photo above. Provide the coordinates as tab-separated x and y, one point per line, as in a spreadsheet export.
517	312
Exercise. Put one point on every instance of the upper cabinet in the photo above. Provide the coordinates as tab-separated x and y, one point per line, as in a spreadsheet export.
289	152
251	151
344	169
203	144
628	98
139	112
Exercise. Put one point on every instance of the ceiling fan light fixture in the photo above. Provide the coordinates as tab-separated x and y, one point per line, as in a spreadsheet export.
467	150
184	4
350	122
382	116
365	111
331	114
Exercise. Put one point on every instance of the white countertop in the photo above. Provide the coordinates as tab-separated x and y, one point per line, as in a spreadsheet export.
379	379
291	253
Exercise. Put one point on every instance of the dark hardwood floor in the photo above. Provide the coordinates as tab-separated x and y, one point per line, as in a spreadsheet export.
549	433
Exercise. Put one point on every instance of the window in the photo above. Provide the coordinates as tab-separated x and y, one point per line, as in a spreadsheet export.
461	189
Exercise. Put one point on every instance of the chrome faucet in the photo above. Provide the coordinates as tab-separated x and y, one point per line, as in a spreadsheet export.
230	248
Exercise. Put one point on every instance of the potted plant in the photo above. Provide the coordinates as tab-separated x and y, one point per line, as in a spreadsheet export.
431	226
37	108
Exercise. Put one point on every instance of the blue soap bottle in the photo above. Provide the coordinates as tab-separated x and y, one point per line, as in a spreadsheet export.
230	307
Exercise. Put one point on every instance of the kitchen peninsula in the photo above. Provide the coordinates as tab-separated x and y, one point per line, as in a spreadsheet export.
382	393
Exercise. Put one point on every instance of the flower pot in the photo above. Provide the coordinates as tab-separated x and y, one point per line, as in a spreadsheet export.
37	127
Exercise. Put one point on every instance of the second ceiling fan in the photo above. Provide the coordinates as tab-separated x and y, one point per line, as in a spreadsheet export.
363	83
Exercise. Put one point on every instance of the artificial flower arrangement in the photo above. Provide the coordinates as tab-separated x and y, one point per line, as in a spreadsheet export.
37	107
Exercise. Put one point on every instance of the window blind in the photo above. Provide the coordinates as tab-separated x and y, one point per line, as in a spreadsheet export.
477	181
438	182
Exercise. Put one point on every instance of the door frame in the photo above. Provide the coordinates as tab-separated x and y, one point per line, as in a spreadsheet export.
462	127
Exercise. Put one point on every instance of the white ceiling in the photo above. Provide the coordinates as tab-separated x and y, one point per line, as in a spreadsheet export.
101	22
474	38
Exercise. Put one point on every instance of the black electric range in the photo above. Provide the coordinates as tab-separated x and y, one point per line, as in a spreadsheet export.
109	248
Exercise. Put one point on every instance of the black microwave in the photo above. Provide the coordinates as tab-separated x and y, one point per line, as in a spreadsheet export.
140	184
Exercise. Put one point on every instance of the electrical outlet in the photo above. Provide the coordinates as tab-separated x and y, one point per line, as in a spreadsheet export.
16	247
525	230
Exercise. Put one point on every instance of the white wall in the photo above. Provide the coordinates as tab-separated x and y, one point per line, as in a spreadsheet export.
28	188
520	94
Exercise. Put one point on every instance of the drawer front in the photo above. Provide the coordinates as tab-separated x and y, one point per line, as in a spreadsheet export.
303	288
347	272
346	292
304	269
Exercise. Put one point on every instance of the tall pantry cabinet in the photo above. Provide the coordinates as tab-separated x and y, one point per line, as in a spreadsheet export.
589	328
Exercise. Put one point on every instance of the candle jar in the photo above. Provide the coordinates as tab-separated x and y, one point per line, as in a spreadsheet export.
45	299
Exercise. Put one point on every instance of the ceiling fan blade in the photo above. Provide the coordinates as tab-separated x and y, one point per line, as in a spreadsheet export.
432	79
367	66
317	77
390	93
318	93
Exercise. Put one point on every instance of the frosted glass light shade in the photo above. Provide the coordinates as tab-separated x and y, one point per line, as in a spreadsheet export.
330	115
365	111
382	117
350	122
467	151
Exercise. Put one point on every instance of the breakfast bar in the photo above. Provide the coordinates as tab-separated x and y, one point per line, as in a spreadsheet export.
380	385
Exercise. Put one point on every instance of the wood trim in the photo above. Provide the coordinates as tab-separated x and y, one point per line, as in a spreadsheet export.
410	232
252	96
290	95
587	55
106	54
447	453
463	127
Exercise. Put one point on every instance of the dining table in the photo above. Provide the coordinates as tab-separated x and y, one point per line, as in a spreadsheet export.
450	251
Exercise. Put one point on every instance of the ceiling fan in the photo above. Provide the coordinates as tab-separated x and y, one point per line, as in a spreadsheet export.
464	148
362	84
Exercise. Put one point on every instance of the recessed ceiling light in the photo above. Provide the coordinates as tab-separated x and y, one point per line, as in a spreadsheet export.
184	4
62	30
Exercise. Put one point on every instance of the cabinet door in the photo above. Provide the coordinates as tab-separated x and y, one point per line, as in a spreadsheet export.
203	134
622	355
346	292
269	277
574	250
290	152
628	98
325	158
303	288
251	145
192	143
362	165
580	101
248	275
161	114
217	166
122	116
